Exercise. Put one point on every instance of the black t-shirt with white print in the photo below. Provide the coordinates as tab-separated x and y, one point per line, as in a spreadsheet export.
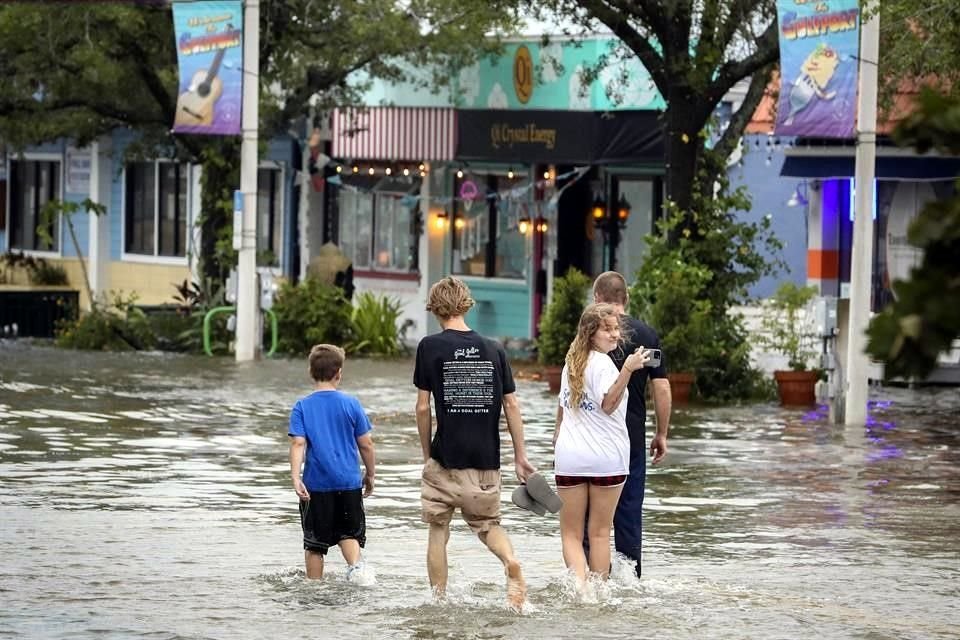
468	376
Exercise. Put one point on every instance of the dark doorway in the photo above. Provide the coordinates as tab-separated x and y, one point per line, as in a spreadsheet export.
574	225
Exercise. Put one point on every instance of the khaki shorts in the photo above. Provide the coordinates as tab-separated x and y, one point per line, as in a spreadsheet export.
476	492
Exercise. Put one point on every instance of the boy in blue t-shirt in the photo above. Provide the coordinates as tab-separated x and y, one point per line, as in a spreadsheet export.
329	434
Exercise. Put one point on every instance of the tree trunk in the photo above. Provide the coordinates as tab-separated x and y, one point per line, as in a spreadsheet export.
683	146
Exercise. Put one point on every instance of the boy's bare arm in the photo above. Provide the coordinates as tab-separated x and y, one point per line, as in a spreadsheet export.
298	447
365	445
511	408
424	426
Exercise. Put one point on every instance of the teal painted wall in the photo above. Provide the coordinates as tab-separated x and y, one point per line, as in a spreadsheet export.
559	81
502	309
488	84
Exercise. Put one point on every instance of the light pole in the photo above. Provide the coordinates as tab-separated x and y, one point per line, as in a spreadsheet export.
248	290
861	262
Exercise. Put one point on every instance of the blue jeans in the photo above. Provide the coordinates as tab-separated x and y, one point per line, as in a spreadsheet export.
628	518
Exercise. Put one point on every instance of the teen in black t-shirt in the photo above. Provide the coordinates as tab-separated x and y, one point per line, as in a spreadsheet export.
469	380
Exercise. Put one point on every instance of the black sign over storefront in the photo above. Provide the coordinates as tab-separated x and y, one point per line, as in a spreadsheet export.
564	137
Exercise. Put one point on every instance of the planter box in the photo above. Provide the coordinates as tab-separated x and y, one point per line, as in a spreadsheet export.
797	388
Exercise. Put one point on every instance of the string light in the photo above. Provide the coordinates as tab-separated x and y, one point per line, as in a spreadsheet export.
356	169
510	173
388	171
339	168
371	171
406	171
459	173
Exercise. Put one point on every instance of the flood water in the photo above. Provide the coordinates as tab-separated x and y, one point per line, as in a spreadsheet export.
148	496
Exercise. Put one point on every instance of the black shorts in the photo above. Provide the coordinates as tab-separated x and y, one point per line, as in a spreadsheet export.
331	516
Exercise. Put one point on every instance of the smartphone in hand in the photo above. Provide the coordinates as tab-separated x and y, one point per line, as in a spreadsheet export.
654	358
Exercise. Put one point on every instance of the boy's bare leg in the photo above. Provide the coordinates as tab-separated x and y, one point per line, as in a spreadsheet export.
314	562
437	557
350	549
497	541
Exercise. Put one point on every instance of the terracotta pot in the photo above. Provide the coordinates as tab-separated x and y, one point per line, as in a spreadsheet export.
551	373
797	388
680	384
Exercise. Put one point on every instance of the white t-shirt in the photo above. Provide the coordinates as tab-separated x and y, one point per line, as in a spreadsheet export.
592	443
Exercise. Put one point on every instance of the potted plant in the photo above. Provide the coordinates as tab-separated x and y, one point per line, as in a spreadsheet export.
787	331
558	325
667	294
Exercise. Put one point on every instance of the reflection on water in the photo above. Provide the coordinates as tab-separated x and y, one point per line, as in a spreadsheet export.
147	496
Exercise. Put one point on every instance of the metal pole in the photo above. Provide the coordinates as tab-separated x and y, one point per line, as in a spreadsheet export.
248	298
855	405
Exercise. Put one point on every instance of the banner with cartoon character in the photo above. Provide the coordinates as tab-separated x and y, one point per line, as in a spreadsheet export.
209	38
819	43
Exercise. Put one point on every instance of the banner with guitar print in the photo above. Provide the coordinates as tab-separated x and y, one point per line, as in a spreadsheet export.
210	53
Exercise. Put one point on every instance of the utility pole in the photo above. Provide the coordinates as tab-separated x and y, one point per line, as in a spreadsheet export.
248	290
861	266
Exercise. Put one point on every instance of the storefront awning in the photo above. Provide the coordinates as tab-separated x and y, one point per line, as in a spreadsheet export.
908	168
559	137
411	134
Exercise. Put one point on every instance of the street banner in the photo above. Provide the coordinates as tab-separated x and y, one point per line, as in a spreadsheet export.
819	43
210	54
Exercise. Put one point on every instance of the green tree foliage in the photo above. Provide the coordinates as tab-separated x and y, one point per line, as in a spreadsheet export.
695	52
919	40
924	320
686	290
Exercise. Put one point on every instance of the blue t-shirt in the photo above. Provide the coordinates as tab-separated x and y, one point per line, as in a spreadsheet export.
331	422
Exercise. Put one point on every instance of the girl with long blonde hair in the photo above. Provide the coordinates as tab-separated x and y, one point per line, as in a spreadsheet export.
591	443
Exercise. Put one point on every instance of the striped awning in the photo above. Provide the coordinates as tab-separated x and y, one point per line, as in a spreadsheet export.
394	133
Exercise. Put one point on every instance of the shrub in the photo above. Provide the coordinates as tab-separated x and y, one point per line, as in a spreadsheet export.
309	313
374	324
668	294
558	326
785	330
117	326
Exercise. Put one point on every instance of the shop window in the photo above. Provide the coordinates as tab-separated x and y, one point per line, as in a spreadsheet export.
269	217
155	211
486	236
377	225
32	185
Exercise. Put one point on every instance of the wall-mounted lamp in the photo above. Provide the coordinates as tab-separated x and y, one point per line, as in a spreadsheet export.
510	173
598	208
540	225
441	221
623	210
799	197
523	224
459	222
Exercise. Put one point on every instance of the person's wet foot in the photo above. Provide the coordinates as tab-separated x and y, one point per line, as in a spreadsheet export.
516	587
